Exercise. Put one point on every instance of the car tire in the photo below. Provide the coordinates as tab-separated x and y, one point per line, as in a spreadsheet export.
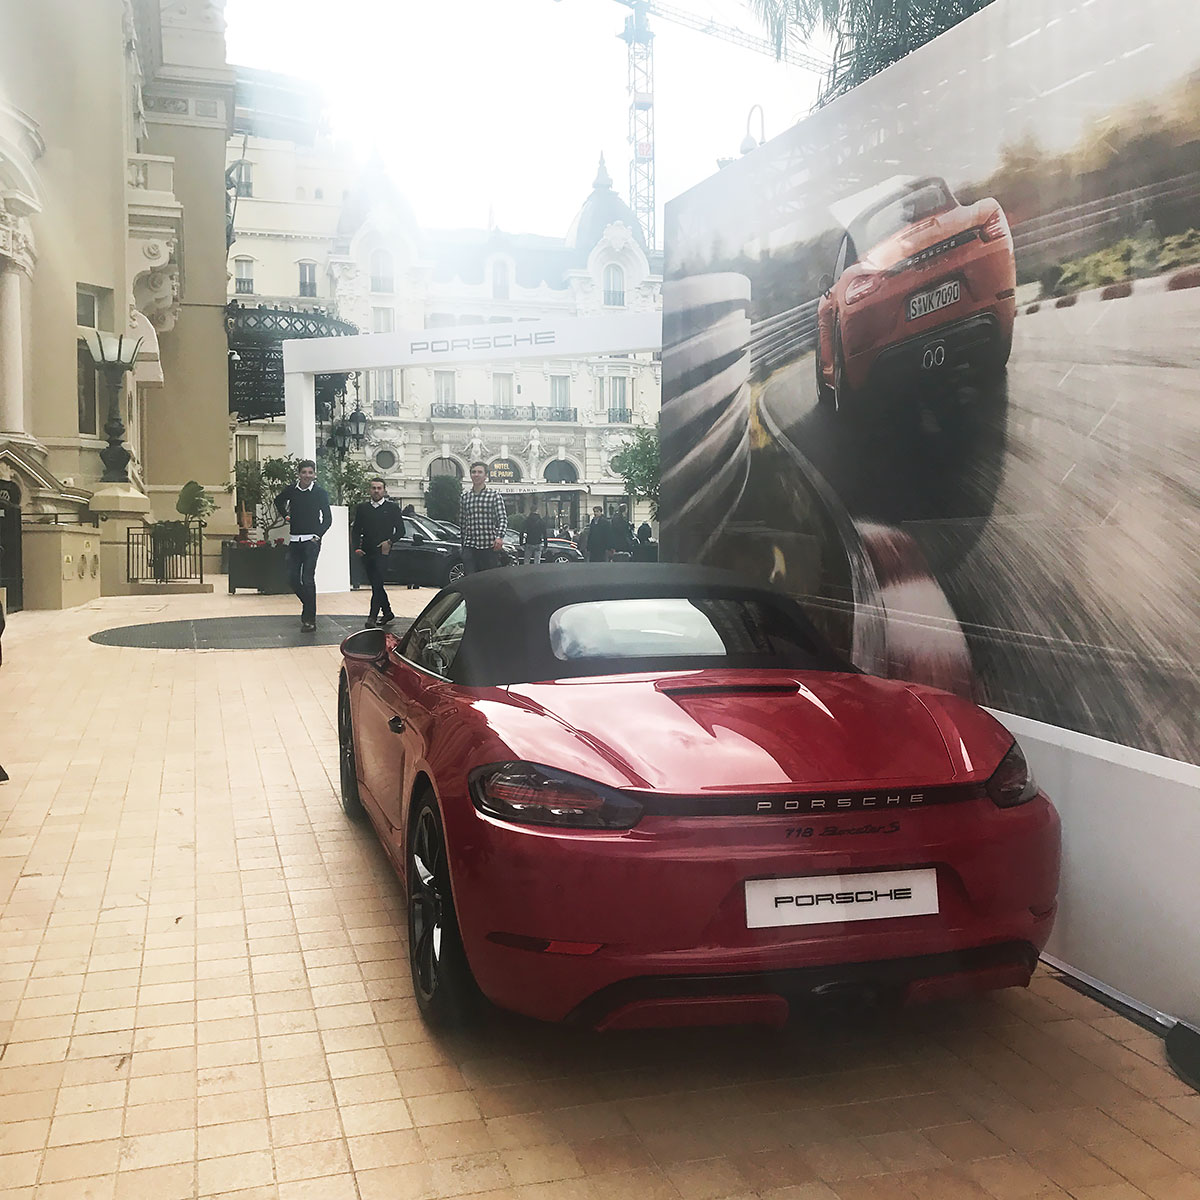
843	395
347	761
825	395
445	990
454	572
561	558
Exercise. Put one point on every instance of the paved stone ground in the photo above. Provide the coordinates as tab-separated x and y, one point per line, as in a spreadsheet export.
204	992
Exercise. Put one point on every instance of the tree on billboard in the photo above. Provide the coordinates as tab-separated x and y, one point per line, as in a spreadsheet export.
639	464
869	35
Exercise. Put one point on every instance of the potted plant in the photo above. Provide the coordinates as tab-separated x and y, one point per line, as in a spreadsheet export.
261	563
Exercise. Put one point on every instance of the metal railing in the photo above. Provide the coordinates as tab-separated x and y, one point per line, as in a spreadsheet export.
165	553
498	412
620	416
777	340
1083	228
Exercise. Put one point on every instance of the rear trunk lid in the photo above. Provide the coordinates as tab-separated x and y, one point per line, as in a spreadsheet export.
714	731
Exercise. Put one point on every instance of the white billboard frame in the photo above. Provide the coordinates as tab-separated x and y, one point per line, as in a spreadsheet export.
451	346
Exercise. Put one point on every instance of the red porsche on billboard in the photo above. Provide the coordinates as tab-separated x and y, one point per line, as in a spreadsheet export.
920	283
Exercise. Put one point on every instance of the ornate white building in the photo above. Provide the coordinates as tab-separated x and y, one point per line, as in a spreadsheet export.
312	233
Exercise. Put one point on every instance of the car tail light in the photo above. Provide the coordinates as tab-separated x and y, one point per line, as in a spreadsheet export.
1012	782
994	228
862	286
532	795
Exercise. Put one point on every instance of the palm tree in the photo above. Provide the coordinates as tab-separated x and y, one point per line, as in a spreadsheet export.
868	34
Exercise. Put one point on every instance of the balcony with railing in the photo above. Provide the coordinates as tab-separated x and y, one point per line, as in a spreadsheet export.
620	416
496	412
614	299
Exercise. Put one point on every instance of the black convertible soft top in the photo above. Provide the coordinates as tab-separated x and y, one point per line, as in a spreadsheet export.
506	638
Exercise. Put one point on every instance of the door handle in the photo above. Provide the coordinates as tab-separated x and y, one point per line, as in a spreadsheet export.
396	724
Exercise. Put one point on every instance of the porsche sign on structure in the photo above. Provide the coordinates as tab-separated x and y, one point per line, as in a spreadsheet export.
931	362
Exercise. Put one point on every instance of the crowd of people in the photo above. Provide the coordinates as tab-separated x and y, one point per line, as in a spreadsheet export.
483	522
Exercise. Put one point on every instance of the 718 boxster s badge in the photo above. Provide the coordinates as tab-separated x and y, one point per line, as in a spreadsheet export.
651	794
921	284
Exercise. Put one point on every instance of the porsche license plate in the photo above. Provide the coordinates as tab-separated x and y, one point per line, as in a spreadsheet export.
825	899
942	296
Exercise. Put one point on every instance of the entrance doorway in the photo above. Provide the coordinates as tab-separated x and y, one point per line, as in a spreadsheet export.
10	544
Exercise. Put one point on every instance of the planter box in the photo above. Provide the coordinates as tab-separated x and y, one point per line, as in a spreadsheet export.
263	568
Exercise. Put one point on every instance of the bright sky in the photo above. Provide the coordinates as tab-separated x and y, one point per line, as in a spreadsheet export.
505	105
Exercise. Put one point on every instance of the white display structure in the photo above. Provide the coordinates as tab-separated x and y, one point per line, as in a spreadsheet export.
333	563
305	358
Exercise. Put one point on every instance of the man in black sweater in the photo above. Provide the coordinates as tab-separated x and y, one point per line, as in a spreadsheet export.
306	507
377	523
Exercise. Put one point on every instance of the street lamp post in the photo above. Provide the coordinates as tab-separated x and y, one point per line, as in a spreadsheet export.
114	354
347	432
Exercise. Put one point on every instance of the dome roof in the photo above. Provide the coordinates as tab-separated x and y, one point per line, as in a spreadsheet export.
600	210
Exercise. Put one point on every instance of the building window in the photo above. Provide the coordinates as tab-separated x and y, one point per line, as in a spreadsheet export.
308	279
85	308
446	466
618	398
614	286
246	447
85	378
439	320
382	320
443	387
500	281
502	391
381	272
243	276
318	193
560	391
243	178
558	470
385	460
383	388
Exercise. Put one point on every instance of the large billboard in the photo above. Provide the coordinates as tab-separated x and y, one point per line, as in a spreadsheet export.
930	362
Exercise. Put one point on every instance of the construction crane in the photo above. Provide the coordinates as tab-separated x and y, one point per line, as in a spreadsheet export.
638	36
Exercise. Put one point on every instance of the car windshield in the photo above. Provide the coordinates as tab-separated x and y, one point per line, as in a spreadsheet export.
740	631
918	202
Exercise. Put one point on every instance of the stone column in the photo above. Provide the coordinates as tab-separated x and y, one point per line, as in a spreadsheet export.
12	355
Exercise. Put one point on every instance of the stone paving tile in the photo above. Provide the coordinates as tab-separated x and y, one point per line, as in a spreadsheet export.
204	992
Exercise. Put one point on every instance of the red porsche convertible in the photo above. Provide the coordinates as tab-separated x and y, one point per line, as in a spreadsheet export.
636	795
921	285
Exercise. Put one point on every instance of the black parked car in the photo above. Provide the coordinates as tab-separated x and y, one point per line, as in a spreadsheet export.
422	556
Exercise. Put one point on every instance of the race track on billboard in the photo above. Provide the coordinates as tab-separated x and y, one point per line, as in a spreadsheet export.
1029	496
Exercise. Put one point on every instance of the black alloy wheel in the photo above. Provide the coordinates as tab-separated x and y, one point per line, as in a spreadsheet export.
445	991
348	767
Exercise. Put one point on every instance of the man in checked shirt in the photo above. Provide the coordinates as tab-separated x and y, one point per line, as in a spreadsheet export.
483	521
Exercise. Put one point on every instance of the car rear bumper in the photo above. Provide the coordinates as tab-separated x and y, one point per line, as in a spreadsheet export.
977	341
665	902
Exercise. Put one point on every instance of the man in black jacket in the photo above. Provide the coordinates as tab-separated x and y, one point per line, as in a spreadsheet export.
598	533
534	536
377	524
306	507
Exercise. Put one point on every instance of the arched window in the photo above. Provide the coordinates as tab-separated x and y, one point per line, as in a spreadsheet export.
446	466
614	286
308	279
558	470
499	281
382	279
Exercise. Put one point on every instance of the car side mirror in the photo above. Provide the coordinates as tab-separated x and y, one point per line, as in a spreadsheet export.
418	539
825	283
367	645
